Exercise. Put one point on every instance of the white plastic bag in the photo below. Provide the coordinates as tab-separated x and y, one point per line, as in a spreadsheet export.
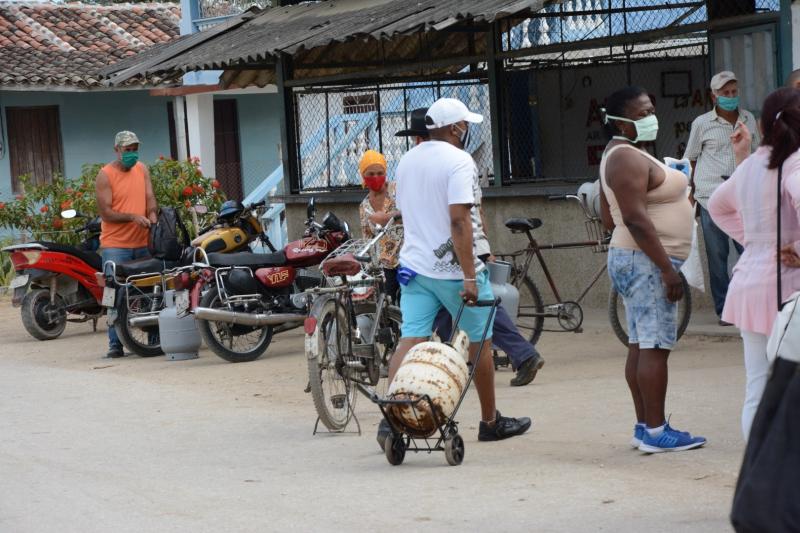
692	268
784	341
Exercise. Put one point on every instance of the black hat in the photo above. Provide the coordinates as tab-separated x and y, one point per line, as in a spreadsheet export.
418	128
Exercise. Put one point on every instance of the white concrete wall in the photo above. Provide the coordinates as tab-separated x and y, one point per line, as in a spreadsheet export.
200	119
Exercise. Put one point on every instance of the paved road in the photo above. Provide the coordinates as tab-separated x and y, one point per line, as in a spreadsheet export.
88	444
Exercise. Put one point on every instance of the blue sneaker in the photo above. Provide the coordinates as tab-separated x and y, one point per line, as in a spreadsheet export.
670	440
638	435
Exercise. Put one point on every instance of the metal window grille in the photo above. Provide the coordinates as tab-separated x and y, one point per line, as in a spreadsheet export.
336	125
567	58
559	66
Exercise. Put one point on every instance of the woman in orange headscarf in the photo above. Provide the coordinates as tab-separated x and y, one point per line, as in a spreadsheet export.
377	209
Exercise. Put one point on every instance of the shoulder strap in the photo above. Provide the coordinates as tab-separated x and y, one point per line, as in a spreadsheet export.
186	239
778	238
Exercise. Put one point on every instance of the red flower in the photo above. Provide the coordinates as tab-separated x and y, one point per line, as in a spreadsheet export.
2	205
215	184
161	157
188	204
44	209
58	223
187	191
66	204
198	189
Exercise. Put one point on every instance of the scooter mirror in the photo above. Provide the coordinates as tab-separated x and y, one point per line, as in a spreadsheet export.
69	213
311	209
200	209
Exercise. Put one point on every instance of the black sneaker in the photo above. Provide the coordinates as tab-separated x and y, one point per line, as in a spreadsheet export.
503	428
527	371
115	352
384	430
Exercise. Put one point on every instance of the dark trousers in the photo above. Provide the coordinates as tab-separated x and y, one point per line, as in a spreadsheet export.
505	335
392	286
717	251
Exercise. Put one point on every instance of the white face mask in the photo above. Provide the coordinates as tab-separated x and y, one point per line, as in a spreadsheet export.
464	137
646	128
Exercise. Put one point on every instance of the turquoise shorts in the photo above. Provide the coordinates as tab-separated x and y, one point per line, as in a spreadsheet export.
422	298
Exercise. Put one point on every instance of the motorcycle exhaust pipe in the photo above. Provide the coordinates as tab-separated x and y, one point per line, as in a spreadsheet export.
143	321
246	319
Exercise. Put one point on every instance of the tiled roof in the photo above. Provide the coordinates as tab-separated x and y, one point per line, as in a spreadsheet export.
49	45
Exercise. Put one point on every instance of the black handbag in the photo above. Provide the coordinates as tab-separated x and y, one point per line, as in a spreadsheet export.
767	496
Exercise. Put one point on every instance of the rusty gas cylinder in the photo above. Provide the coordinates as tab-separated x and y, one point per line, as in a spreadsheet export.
433	369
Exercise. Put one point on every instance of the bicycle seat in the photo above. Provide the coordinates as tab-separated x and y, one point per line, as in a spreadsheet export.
343	265
523	224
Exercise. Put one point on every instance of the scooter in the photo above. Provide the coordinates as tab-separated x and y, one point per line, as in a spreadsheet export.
56	283
250	295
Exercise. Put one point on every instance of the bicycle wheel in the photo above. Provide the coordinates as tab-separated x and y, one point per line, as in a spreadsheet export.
616	313
334	397
530	321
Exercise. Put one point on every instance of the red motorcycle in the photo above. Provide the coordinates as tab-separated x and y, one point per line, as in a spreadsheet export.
247	297
57	283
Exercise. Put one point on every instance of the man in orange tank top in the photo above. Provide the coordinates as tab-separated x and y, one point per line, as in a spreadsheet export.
127	205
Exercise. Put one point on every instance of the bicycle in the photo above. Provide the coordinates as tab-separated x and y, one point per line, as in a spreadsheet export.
351	332
569	313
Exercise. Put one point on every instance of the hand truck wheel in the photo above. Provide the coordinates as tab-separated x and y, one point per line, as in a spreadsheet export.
395	449
454	450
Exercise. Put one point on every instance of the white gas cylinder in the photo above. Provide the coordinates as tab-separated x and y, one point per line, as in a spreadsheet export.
433	369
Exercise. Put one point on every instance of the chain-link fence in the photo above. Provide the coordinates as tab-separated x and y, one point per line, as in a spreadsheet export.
563	62
336	125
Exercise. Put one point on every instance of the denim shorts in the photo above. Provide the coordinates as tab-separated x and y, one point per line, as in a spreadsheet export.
422	298
652	319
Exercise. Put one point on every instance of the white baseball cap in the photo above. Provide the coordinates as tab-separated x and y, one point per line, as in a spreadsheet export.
721	78
446	111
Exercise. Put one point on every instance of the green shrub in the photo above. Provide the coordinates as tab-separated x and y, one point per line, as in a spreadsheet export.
37	211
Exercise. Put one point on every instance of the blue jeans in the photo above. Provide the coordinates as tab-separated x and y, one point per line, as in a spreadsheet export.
504	335
717	251
120	255
652	319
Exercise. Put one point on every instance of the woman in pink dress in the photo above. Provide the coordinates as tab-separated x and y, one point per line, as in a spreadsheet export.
745	208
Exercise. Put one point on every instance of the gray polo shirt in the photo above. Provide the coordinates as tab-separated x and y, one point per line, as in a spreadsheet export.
710	147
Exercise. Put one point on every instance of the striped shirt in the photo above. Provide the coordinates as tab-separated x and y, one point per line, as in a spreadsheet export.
710	148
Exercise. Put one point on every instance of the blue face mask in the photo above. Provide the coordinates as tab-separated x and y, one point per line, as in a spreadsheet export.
728	103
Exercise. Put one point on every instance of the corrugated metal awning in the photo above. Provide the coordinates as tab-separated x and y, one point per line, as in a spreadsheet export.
323	36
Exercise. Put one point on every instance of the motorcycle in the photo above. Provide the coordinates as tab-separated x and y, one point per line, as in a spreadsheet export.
251	296
56	280
135	290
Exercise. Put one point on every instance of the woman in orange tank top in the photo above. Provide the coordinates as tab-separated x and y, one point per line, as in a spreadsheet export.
127	206
647	206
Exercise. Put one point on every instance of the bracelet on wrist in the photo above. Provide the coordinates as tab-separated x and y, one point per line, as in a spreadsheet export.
470	279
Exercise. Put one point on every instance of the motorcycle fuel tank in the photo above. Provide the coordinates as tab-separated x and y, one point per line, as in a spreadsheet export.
221	240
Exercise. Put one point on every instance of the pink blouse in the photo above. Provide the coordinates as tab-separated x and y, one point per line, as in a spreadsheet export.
745	208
